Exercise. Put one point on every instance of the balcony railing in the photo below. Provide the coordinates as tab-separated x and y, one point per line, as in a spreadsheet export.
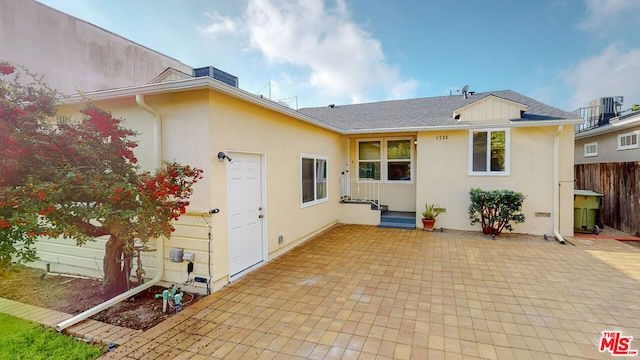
593	117
361	190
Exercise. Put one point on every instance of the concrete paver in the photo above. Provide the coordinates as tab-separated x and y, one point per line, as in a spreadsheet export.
360	292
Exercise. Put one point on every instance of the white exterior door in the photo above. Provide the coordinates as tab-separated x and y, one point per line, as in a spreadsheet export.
246	239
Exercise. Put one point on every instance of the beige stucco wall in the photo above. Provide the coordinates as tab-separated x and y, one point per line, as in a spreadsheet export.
443	176
196	126
74	54
281	140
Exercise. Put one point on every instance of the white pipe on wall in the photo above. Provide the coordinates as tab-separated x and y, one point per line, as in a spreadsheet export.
157	127
556	185
96	309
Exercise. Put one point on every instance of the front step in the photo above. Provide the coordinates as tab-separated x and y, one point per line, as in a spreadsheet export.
398	220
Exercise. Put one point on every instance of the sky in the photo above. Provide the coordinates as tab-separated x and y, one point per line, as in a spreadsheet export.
308	53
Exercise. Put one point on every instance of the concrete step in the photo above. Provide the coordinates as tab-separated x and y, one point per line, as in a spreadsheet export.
397	225
398	219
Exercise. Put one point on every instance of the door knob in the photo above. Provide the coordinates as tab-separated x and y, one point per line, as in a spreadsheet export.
260	216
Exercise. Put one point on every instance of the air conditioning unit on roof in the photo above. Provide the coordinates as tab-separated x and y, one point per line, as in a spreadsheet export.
216	74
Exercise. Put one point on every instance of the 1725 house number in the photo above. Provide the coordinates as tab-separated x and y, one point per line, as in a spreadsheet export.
442	137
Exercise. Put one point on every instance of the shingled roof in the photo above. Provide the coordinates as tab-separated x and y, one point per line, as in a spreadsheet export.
423	112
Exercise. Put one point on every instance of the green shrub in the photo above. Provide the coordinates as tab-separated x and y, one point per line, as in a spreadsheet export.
495	209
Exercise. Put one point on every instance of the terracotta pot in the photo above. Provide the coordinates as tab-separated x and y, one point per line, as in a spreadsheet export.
427	224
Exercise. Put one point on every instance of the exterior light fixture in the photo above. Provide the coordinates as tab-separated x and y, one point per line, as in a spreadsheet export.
222	156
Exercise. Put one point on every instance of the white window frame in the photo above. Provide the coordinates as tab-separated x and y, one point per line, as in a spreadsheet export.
379	160
630	136
588	153
384	161
507	153
324	179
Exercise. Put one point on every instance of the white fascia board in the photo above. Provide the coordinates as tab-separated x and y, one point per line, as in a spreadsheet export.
198	83
538	123
406	129
511	124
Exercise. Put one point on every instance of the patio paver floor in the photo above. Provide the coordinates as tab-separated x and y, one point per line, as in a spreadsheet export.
360	292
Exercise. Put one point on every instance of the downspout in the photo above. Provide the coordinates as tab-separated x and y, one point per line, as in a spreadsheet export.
556	185
157	132
157	127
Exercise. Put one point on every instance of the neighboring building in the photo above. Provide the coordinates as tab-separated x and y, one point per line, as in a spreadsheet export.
294	173
607	160
614	141
73	54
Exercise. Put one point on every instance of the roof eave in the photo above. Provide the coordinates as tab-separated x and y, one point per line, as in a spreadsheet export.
466	126
537	123
198	83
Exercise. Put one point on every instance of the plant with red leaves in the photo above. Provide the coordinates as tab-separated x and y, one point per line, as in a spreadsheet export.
78	179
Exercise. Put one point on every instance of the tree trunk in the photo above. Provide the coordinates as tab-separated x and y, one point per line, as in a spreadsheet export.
117	266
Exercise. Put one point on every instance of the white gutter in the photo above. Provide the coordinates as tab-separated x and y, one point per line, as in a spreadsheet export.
556	185
465	126
96	309
157	129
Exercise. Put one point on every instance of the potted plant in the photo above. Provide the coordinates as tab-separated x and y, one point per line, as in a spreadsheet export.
429	216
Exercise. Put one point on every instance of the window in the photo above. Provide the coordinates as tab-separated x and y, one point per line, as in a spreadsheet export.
489	152
369	159
399	160
387	159
314	187
628	141
591	149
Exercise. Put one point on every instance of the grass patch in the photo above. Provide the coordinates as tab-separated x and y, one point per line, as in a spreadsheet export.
21	339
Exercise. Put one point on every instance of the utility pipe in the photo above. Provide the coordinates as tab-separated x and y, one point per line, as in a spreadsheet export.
556	185
157	133
96	309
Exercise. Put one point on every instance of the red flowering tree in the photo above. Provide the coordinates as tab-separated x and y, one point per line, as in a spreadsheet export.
78	179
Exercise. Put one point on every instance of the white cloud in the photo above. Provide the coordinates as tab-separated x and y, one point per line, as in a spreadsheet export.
600	14
220	25
343	59
610	73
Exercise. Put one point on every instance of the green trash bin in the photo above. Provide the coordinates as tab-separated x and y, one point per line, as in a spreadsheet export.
586	210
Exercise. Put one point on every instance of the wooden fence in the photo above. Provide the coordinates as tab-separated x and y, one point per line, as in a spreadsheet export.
619	182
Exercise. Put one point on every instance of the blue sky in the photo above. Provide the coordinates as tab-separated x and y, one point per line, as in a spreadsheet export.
562	52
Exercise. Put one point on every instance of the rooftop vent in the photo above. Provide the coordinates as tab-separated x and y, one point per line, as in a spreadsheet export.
216	74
